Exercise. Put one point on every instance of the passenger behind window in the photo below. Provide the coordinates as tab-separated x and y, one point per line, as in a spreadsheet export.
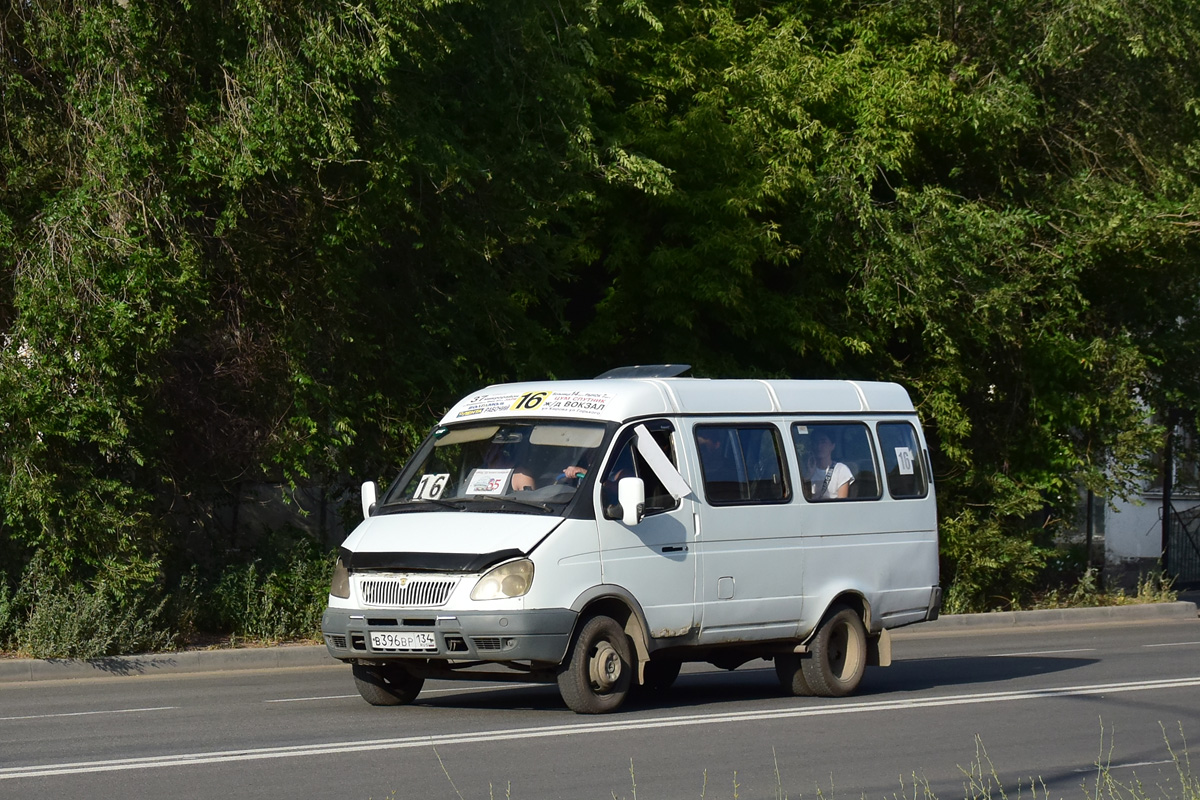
826	479
510	455
723	480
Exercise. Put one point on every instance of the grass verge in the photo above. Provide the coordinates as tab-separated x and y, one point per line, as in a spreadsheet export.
981	780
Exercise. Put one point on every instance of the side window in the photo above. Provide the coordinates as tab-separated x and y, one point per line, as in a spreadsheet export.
627	462
837	461
902	460
741	464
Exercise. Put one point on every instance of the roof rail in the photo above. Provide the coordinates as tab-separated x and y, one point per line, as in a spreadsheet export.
647	371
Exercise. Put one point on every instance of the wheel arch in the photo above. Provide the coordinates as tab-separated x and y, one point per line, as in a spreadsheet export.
879	646
851	598
619	604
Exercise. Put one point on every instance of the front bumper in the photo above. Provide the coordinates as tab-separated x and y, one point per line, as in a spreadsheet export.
541	635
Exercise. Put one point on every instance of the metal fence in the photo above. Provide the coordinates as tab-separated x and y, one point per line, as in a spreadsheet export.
1182	557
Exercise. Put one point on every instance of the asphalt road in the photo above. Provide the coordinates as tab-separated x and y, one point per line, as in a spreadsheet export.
1039	703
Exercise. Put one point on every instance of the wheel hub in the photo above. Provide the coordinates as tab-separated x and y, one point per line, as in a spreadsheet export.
605	667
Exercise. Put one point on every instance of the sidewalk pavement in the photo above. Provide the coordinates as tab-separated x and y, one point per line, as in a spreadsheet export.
17	670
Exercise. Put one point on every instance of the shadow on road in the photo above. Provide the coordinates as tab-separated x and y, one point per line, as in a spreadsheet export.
930	673
756	681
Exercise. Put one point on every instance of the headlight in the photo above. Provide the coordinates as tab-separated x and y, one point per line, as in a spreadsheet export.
507	580
340	585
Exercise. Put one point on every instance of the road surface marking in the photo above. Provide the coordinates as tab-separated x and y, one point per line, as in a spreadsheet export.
579	729
478	688
1044	652
1108	767
87	713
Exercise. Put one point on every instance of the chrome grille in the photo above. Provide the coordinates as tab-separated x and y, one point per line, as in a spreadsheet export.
405	591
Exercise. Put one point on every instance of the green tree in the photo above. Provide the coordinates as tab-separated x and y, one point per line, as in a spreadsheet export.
994	205
244	242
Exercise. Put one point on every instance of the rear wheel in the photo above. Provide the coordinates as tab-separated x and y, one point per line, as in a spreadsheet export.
597	674
789	670
659	675
386	685
839	654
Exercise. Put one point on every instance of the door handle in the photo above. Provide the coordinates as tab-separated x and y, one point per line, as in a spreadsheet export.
680	548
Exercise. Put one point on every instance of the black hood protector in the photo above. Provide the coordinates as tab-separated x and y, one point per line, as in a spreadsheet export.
426	562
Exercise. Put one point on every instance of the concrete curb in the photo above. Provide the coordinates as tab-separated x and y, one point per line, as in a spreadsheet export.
19	670
1059	616
34	669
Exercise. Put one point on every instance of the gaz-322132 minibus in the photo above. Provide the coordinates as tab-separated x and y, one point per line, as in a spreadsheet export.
597	534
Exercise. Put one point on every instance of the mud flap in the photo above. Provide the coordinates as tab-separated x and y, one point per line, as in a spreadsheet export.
879	649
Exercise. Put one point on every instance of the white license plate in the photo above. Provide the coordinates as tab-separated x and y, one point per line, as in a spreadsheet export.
403	640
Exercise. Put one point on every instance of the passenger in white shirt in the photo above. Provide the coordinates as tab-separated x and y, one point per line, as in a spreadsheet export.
830	479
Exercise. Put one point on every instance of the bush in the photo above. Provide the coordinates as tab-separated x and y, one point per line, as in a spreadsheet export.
285	602
8	616
987	568
270	599
52	617
77	621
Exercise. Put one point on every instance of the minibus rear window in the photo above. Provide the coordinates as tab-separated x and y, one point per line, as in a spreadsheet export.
902	460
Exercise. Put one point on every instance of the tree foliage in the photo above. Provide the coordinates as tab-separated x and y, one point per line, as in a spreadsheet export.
256	241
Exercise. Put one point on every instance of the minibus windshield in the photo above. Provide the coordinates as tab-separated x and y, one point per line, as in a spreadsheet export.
532	465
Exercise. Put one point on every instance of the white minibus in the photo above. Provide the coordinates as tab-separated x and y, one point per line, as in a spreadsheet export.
598	534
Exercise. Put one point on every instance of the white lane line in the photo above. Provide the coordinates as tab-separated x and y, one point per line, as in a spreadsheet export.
1171	644
1132	765
89	713
1044	652
479	688
306	699
580	728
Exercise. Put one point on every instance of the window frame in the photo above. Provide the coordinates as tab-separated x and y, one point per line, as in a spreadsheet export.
628	438
780	459
920	460
872	446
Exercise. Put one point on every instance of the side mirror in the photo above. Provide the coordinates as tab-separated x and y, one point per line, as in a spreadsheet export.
631	494
370	493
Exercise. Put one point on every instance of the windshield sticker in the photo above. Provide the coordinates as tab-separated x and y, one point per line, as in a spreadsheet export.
529	401
577	402
904	458
488	481
487	404
431	486
593	404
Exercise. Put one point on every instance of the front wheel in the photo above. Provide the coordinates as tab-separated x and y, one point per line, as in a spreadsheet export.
597	674
839	654
386	685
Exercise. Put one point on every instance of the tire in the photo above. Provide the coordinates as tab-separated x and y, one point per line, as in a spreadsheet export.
790	671
596	676
839	654
660	675
389	685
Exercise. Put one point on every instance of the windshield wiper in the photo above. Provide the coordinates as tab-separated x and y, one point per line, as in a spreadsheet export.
530	503
410	503
461	503
441	502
